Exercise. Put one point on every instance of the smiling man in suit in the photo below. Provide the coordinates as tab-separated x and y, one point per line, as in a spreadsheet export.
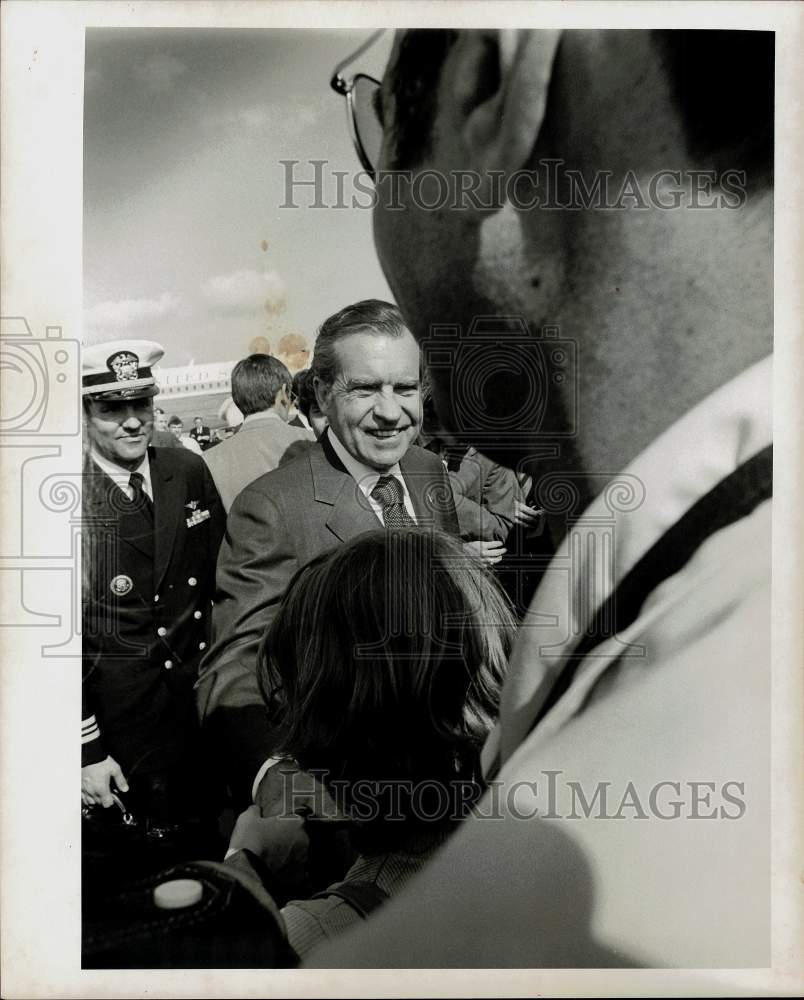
364	472
152	525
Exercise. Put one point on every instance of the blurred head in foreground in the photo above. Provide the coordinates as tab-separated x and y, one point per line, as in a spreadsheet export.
382	669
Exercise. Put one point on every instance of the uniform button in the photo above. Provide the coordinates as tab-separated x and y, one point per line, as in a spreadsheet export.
192	581
156	598
168	664
161	630
202	645
196	614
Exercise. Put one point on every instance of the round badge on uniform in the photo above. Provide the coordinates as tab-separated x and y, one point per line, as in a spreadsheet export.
121	585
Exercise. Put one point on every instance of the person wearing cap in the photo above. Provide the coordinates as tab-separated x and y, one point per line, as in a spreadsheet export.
152	526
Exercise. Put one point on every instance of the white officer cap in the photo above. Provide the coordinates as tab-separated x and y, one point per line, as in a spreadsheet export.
120	370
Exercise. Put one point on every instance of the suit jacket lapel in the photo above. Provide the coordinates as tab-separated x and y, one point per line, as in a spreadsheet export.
168	511
352	514
421	486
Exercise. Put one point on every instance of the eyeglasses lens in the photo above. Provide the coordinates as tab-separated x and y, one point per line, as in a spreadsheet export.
367	122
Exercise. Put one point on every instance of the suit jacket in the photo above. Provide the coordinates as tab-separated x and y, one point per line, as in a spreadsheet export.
485	494
277	524
147	611
263	443
201	435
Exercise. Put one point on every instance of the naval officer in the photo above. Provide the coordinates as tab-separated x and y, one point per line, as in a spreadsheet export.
153	522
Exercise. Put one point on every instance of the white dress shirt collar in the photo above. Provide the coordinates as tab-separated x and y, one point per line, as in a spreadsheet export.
367	478
121	477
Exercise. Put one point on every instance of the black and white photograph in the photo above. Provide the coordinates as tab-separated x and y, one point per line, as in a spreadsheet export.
408	495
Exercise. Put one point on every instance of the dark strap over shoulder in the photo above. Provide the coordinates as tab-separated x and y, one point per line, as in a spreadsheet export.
734	498
363	897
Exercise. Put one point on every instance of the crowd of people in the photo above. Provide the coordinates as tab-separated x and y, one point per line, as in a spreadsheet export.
320	650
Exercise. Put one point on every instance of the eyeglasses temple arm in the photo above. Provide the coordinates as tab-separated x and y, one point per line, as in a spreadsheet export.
337	82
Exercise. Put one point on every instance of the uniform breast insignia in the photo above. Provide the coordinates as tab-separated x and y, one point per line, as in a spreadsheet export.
121	585
197	516
192	505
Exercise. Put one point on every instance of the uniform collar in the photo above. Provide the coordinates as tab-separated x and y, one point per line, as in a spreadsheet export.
120	476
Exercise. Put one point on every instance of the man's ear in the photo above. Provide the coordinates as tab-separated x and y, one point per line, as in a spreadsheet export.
500	81
322	391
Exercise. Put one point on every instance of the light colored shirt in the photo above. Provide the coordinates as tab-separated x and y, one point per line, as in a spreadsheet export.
191	444
367	478
631	513
121	477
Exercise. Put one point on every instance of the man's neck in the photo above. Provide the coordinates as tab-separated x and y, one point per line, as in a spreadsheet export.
116	465
663	308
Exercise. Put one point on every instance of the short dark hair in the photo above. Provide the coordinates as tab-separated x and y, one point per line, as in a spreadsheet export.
303	391
724	86
414	86
174	420
363	701
255	382
367	316
723	82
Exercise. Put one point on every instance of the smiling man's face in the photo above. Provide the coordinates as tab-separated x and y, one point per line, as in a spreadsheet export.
374	404
121	431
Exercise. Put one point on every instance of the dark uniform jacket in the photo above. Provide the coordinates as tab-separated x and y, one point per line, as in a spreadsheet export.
277	524
147	612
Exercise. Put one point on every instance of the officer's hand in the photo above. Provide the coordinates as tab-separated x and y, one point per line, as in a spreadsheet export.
286	789
489	552
528	516
96	781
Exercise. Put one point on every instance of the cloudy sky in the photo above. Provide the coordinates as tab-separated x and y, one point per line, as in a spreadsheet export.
184	239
